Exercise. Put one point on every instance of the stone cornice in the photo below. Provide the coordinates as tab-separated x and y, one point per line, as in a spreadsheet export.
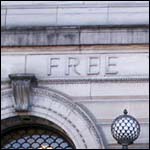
75	35
80	4
59	13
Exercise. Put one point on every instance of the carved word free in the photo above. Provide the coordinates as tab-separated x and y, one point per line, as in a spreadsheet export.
82	66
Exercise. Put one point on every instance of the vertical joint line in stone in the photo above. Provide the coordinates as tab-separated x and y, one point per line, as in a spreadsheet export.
108	14
5	19
57	7
25	69
90	89
79	38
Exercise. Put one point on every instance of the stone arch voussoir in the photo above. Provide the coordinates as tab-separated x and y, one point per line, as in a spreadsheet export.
59	109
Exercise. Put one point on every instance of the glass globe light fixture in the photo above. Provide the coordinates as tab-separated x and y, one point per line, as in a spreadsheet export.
125	129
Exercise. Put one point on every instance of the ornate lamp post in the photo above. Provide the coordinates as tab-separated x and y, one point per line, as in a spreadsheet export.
125	129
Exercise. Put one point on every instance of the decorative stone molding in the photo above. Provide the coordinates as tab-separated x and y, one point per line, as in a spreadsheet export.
75	35
74	13
59	109
21	84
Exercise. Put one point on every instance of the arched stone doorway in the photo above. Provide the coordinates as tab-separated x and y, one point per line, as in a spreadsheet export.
58	109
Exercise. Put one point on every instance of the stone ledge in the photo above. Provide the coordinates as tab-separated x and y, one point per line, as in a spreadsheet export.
56	13
134	146
75	35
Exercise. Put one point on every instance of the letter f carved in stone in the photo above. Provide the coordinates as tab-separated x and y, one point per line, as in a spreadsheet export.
22	84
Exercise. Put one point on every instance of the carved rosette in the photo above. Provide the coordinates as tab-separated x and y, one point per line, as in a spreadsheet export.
22	84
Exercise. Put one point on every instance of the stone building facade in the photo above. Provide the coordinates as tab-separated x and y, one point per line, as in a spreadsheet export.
69	68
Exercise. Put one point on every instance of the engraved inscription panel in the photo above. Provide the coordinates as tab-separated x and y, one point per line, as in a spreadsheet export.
84	66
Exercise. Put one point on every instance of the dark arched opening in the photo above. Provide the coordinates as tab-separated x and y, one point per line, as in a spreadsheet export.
29	133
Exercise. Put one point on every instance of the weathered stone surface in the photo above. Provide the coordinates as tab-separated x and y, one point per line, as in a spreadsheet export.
106	3
108	110
73	90
3	17
67	36
75	13
114	36
132	14
78	16
34	17
74	36
12	64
